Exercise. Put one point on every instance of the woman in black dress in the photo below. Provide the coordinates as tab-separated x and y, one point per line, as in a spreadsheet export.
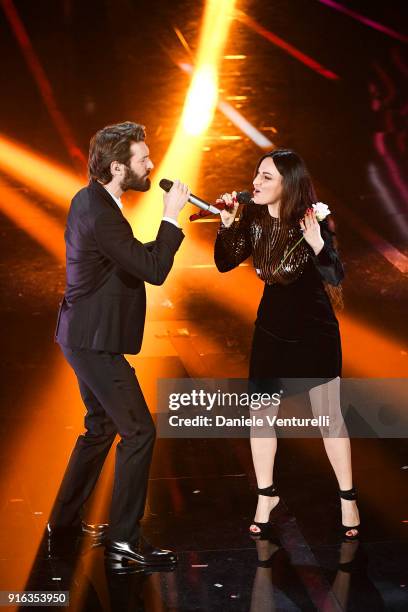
296	331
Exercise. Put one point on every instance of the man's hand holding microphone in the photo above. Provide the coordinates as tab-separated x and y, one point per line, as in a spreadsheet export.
175	199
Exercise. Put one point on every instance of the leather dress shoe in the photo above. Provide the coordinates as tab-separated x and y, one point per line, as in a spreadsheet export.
70	540
93	530
140	552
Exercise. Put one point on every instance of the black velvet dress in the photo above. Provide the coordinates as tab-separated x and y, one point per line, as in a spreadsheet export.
296	331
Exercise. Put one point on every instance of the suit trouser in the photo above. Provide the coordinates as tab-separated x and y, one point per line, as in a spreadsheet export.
115	404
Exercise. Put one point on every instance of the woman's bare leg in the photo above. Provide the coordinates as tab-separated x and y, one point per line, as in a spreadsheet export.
263	447
325	400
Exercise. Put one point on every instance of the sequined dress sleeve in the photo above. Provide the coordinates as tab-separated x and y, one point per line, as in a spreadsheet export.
233	244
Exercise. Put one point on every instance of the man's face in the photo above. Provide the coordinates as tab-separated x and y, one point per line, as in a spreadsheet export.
138	169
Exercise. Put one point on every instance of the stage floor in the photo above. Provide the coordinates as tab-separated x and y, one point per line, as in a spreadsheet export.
350	128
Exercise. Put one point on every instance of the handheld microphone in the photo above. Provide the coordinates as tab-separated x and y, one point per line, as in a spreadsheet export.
166	185
242	197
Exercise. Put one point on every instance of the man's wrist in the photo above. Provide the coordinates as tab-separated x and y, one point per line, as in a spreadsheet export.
170	212
171	220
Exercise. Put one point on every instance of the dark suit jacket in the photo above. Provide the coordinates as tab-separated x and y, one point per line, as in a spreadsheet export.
104	306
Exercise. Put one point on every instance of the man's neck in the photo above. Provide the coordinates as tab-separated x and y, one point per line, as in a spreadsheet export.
114	188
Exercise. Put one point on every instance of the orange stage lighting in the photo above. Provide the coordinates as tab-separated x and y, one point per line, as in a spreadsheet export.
47	178
36	223
48	433
182	159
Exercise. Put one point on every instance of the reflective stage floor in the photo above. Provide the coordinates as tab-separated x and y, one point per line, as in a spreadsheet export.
307	74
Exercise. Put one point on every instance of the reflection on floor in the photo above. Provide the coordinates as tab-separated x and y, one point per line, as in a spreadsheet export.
201	503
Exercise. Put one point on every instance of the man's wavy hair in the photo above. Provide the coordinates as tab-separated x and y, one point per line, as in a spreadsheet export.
112	143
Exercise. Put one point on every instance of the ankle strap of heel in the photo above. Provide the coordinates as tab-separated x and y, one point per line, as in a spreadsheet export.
268	491
350	494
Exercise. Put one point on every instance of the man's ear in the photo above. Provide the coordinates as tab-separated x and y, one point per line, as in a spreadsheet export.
115	168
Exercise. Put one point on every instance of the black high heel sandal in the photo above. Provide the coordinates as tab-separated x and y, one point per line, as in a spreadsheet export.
264	528
350	495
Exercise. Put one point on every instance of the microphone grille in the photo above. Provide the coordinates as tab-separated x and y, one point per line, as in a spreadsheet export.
166	184
244	197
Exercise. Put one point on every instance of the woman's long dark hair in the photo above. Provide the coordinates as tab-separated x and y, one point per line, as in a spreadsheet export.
298	193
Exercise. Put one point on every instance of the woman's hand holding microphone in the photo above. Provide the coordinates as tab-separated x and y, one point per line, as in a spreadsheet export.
228	214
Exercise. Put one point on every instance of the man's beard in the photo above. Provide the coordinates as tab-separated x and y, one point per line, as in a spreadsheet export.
134	181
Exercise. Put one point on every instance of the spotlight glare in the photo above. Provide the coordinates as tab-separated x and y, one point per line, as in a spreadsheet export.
201	101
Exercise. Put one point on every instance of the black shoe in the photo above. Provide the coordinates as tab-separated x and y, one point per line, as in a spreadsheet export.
71	540
140	552
265	528
97	531
350	495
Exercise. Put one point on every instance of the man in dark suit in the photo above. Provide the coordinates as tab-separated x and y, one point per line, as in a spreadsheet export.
102	317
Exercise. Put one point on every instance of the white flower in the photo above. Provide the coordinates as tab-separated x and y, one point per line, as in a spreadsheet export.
322	210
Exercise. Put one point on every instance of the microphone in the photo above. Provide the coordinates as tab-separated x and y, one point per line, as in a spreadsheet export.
242	197
166	185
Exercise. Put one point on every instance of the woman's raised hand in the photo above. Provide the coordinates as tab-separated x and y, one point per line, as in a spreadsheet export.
228	214
311	230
